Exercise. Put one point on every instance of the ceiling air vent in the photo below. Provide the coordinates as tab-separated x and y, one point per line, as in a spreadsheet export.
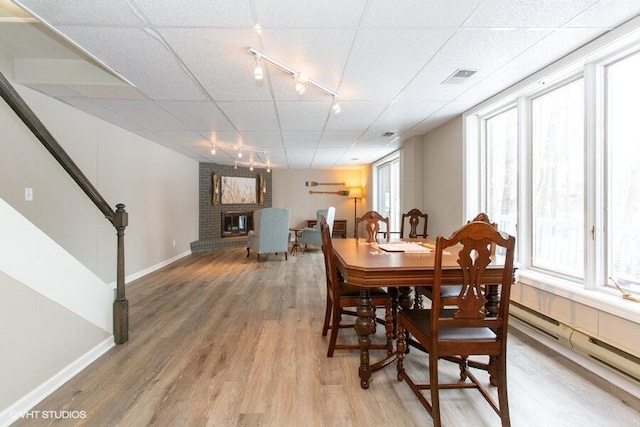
458	77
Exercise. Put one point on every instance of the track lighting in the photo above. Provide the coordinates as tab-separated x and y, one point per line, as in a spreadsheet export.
336	107
300	87
258	73
257	158
302	80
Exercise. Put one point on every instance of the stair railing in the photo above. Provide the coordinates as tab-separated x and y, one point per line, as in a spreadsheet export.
118	218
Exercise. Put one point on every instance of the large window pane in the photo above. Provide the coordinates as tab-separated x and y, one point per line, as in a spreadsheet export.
388	194
502	169
558	180
624	173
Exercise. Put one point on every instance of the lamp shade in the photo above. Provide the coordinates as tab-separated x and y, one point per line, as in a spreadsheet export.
355	192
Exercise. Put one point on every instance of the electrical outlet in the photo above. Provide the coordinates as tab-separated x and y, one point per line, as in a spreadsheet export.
174	243
28	194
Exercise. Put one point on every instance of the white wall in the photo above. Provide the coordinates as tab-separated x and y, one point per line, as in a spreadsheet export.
40	339
443	178
412	173
289	191
158	186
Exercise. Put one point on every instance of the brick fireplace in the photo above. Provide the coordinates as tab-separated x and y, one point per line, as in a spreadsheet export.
210	234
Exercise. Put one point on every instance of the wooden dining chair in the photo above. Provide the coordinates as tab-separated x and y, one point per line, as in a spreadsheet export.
415	217
464	329
452	291
372	223
341	295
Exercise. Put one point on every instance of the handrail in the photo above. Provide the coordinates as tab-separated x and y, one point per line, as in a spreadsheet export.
118	218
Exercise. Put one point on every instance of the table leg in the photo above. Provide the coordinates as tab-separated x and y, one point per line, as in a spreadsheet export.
295	247
365	326
493	300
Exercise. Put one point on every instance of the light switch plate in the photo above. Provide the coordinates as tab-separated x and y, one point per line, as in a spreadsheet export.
28	194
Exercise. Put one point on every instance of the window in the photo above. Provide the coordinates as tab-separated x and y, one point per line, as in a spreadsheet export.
387	198
501	132
557	185
557	164
623	149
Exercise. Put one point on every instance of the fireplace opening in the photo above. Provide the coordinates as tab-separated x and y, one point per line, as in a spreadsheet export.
236	223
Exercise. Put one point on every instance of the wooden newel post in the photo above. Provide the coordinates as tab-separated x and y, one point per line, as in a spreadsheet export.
120	305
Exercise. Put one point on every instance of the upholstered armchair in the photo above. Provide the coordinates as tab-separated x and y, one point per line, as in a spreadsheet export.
270	232
312	236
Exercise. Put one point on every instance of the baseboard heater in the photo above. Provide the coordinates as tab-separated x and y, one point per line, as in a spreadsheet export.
614	358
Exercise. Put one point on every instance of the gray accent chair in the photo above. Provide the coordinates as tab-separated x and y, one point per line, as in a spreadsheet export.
312	236
270	232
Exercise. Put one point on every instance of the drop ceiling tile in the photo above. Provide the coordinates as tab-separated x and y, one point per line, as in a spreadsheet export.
202	115
198	13
314	14
606	14
75	12
263	139
184	137
383	61
528	14
251	116
303	115
481	50
321	54
301	138
556	45
230	138
356	115
403	115
419	13
219	60
146	114
130	52
339	139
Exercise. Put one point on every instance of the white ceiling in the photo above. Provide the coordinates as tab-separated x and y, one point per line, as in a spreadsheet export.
193	78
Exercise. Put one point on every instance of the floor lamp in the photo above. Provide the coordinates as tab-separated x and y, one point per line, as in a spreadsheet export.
355	193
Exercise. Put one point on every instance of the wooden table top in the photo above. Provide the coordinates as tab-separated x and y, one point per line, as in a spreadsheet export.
366	265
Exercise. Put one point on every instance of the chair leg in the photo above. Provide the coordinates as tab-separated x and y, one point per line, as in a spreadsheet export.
503	400
258	257
435	392
335	326
248	252
327	316
389	327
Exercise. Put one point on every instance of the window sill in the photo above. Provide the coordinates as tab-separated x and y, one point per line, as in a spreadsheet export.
605	300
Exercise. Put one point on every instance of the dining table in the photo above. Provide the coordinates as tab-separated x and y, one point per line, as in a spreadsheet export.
367	265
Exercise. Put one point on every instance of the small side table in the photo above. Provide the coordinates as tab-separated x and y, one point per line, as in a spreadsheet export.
296	245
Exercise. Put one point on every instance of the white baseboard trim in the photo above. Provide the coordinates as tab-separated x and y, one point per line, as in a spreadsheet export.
627	384
158	266
37	395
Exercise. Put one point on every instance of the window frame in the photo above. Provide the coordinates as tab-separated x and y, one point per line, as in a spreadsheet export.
588	63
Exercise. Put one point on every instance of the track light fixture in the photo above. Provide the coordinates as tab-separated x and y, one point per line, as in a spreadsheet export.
336	107
258	73
257	157
301	79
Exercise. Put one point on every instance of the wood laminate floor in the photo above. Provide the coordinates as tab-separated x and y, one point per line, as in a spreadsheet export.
217	339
